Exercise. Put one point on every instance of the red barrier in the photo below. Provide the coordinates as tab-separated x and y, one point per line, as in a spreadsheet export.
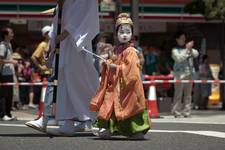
43	93
166	85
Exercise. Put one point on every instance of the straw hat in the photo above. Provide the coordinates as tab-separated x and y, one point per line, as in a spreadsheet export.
16	56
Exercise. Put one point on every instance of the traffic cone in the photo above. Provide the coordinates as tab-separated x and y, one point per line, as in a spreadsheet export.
152	102
214	98
43	92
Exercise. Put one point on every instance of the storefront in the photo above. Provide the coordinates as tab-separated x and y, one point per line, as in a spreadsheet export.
157	19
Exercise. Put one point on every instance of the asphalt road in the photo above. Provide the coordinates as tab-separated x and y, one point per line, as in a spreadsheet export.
163	136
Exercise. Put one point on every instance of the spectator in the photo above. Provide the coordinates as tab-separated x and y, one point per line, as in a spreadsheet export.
41	123
104	49
27	73
203	91
183	56
151	61
24	74
164	61
40	55
7	72
23	90
16	100
139	51
39	58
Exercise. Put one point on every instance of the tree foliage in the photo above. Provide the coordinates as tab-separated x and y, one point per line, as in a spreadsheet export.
212	9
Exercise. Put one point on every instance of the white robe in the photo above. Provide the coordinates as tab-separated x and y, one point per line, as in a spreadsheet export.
77	78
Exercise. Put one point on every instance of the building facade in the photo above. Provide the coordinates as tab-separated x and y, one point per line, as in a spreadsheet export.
158	20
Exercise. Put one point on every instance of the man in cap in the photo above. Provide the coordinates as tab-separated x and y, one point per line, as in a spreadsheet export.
39	58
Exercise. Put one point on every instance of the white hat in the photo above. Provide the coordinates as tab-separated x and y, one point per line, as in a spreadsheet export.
45	29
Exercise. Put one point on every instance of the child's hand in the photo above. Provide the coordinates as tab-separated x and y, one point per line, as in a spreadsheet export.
113	57
43	68
14	62
112	66
108	62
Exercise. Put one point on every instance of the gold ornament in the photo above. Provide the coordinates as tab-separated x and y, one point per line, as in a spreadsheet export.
123	18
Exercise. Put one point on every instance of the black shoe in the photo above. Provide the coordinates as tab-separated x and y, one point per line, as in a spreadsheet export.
177	116
187	116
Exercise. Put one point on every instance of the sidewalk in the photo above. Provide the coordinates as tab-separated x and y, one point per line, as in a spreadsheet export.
200	116
29	114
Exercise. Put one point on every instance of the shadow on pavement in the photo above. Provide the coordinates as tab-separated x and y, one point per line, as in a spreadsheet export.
24	135
118	139
79	134
44	135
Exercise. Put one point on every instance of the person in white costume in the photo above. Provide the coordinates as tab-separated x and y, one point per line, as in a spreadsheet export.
77	78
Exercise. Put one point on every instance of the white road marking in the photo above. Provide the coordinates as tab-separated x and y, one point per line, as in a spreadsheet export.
20	125
204	133
187	122
12	125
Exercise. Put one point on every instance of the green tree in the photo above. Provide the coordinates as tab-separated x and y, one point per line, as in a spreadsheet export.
212	9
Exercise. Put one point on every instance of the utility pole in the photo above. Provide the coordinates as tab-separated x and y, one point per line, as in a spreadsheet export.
223	63
118	7
119	4
135	16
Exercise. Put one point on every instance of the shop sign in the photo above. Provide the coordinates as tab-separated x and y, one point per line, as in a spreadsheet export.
18	21
108	6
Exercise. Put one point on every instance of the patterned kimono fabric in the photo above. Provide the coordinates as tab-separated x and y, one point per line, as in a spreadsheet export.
120	100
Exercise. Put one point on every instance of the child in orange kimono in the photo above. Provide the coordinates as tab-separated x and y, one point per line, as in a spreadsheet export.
120	100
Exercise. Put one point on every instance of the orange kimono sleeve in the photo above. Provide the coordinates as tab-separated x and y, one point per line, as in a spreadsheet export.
98	99
131	94
130	71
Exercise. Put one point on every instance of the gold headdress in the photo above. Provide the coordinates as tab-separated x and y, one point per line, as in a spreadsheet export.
123	18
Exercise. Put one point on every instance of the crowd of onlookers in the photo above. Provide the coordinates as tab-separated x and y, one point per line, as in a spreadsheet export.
153	61
26	72
160	61
16	66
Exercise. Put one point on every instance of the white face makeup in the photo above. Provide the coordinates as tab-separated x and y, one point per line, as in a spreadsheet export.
124	33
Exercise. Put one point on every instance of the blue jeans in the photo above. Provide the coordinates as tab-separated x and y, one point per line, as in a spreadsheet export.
48	98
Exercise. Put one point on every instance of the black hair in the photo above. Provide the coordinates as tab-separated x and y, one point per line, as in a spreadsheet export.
179	33
135	37
4	32
203	58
